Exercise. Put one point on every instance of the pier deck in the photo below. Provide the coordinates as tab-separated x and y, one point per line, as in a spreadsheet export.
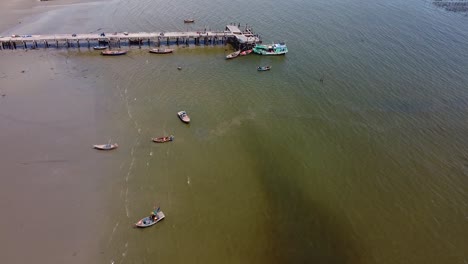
243	37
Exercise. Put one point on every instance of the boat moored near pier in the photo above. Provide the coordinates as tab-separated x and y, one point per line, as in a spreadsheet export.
161	51
271	49
113	52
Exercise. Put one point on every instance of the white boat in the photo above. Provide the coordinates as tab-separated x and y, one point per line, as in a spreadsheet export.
161	51
105	146
184	117
233	55
154	218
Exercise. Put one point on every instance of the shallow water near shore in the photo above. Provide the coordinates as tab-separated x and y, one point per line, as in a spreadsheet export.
368	166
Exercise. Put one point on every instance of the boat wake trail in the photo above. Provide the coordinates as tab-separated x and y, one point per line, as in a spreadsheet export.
112	234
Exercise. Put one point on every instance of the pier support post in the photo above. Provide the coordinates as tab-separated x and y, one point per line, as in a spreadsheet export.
56	43
149	42
118	41
78	43
177	41
139	42
24	44
159	41
89	45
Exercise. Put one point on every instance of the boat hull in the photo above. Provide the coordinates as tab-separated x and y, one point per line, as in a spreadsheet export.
264	68
106	146
113	52
161	51
163	139
271	50
147	221
245	52
183	117
233	55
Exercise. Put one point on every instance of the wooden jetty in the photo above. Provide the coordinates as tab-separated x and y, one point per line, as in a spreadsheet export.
232	34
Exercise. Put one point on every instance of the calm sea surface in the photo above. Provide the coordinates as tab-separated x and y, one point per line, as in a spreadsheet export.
370	166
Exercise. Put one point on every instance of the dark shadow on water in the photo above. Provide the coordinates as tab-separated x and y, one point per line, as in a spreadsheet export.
301	229
460	6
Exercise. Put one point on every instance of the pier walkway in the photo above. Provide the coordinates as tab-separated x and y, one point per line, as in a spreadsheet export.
232	33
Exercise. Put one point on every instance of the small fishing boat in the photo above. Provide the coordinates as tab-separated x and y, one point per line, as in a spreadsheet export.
156	216
163	139
106	146
245	52
161	51
100	47
272	49
263	68
233	55
113	52
189	20
184	117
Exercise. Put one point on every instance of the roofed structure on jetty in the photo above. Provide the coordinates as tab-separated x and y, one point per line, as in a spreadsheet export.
245	37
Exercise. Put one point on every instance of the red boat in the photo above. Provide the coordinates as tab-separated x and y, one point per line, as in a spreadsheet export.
163	139
245	52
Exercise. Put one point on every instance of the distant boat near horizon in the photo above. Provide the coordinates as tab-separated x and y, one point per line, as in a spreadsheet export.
189	20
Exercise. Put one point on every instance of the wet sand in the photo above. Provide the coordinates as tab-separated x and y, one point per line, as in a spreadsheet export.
14	12
51	184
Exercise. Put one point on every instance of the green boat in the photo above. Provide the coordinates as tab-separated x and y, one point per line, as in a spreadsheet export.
271	49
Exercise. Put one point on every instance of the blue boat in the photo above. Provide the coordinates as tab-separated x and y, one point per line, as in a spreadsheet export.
263	68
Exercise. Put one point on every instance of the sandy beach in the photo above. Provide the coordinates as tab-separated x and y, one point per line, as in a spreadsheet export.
47	188
42	182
